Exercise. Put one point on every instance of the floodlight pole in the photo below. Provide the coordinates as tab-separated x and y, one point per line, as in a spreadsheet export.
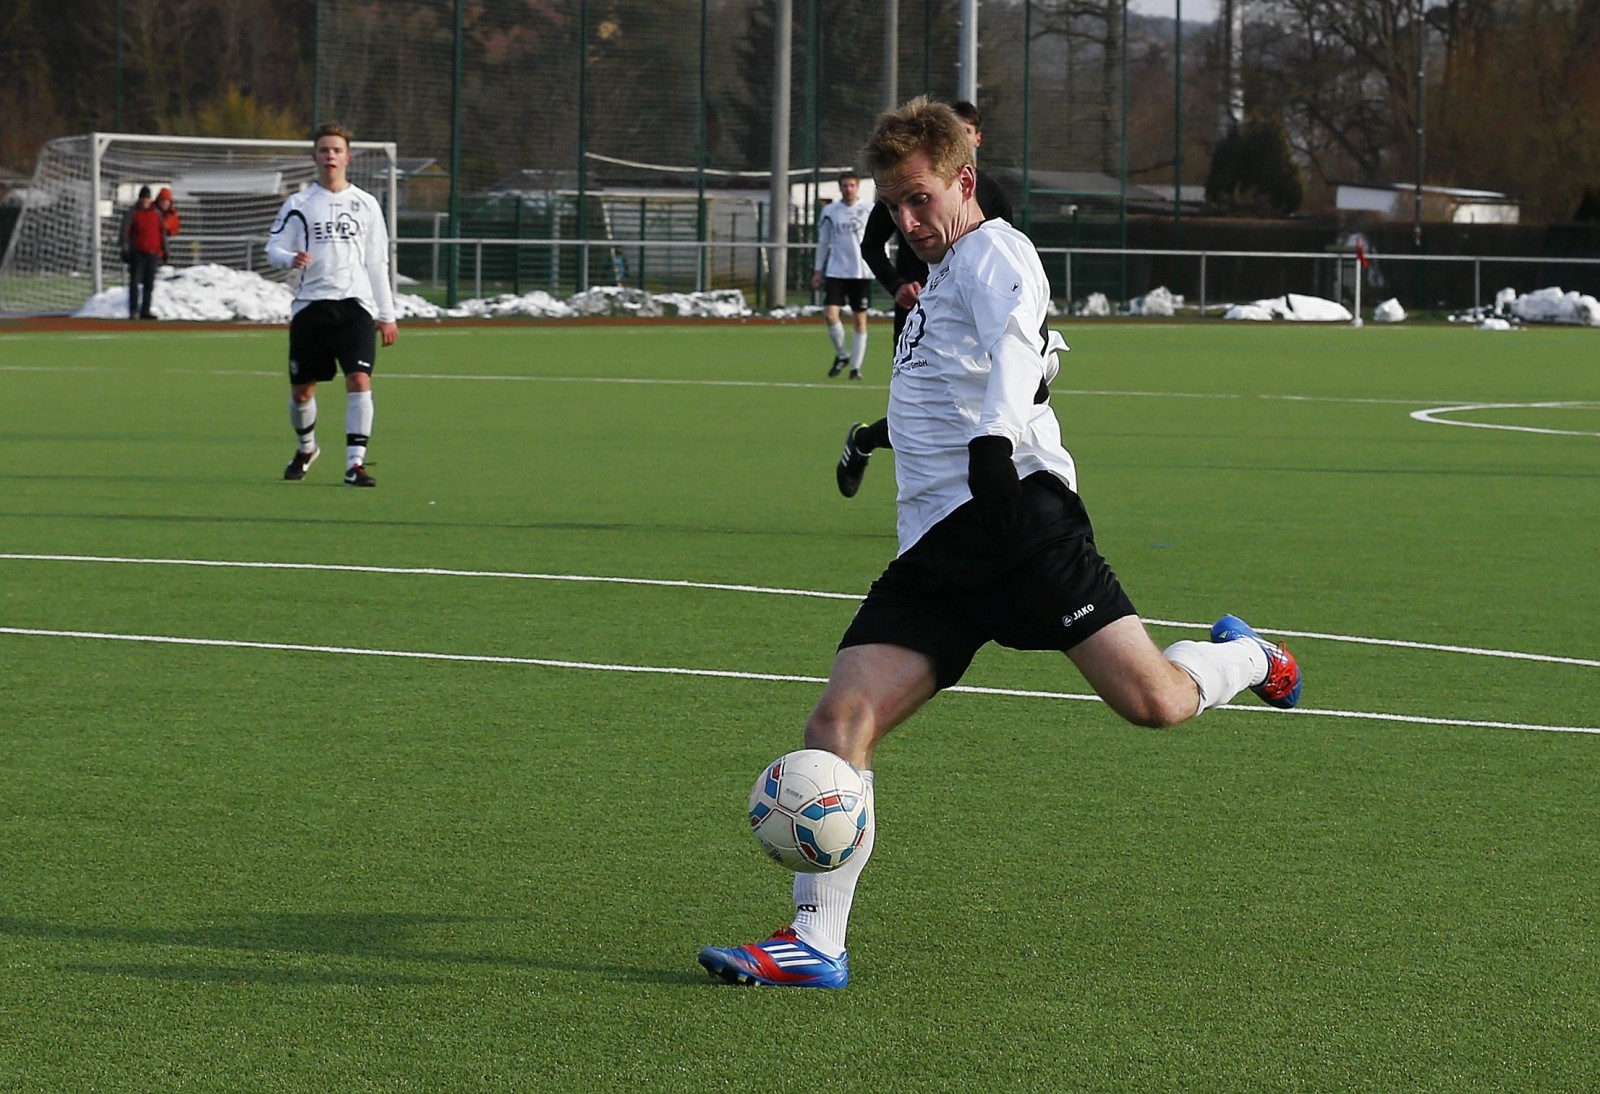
1122	163
583	144
1027	99
316	63
1177	125
116	113
701	278
969	51
1416	204
891	54
778	227
452	277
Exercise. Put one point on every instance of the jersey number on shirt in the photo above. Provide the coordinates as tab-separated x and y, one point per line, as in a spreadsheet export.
910	334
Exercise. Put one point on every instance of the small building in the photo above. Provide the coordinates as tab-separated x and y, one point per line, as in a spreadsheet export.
1440	204
424	184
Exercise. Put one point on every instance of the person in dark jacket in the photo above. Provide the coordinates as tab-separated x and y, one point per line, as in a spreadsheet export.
144	247
903	277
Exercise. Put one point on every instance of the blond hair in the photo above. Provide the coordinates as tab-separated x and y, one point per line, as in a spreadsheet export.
921	125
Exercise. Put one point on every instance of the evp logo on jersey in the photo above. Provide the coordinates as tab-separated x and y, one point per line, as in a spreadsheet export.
343	228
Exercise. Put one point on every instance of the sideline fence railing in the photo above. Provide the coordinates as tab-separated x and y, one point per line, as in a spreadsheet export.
1213	280
1207	281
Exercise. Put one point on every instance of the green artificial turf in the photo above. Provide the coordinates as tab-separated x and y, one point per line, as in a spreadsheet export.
328	842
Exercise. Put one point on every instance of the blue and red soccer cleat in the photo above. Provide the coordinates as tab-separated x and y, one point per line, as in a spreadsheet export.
1281	688
782	960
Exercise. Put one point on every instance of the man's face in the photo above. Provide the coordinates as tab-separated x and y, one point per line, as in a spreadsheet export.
332	155
849	188
972	133
930	212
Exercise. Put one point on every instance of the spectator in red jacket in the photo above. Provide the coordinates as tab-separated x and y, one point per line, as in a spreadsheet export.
144	246
169	213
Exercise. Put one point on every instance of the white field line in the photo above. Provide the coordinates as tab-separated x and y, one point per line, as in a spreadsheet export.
1435	416
777	384
430	571
726	674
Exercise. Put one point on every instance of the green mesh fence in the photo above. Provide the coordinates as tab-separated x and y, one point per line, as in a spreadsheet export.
640	121
634	124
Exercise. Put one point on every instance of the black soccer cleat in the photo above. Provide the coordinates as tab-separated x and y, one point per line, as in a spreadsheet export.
356	475
852	464
298	464
840	363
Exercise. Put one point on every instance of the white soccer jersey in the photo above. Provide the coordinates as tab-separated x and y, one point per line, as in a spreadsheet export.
348	241
969	363
839	240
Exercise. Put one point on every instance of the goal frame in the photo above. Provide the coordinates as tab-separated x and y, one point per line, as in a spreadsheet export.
101	204
99	142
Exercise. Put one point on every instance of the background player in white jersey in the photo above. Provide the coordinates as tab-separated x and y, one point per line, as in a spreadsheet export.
995	544
842	273
334	233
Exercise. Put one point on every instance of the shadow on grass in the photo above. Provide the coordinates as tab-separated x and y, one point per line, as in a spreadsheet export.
381	936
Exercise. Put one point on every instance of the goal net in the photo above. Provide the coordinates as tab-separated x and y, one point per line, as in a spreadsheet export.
64	247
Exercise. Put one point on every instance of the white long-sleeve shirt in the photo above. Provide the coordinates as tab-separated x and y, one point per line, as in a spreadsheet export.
969	363
839	233
348	240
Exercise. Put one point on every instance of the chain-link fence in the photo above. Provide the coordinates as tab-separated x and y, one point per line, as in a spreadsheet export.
645	128
637	120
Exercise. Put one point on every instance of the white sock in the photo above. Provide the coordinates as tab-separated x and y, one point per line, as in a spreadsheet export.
303	417
1220	669
357	427
858	352
836	332
822	901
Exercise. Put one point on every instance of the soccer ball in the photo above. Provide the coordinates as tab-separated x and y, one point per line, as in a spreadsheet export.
809	810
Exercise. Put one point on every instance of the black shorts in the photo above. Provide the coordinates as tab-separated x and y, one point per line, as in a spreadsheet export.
1043	587
326	333
839	291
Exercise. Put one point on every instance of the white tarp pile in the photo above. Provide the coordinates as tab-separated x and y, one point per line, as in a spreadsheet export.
1292	307
1555	306
1389	311
1158	301
201	294
218	294
1095	306
1540	306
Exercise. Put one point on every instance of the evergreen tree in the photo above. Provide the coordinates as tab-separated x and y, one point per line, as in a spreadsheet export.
1253	171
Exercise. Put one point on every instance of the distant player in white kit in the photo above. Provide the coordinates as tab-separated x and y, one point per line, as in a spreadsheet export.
995	544
334	233
842	273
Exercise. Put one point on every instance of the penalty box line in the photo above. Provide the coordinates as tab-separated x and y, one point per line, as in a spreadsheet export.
729	674
513	575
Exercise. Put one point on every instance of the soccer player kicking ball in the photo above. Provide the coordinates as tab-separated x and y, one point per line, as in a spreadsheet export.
334	234
995	544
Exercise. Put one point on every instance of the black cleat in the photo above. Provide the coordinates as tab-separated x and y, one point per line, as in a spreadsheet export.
839	365
356	475
852	464
855	374
299	463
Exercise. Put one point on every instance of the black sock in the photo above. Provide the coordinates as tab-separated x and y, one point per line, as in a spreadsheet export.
876	435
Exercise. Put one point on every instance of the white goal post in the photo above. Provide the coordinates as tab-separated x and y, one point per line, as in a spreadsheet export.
64	247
